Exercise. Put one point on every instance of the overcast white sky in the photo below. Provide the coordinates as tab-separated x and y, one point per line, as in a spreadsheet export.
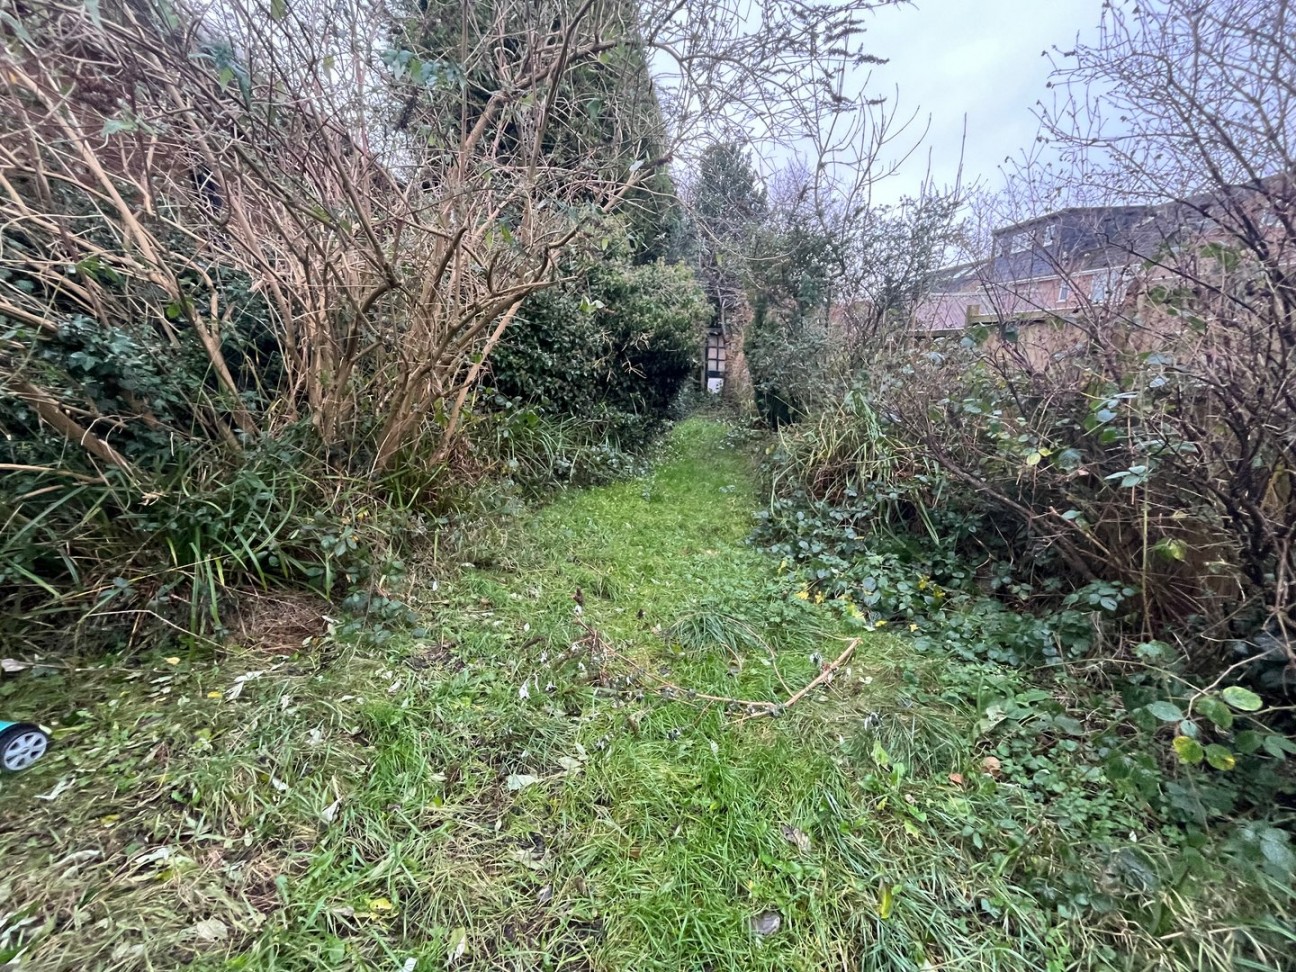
979	58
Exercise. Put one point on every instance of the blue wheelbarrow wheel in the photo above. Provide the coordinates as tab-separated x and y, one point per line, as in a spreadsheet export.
21	744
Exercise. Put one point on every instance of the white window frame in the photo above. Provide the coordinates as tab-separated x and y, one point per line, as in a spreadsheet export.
1064	291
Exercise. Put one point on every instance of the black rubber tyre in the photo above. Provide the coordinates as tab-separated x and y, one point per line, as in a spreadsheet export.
21	745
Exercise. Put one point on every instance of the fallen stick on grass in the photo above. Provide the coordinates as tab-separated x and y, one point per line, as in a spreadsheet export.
825	675
765	708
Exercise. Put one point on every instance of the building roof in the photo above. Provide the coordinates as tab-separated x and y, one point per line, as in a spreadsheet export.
1078	239
1070	240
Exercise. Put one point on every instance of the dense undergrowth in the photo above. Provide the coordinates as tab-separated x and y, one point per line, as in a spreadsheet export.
96	554
232	366
1109	734
544	772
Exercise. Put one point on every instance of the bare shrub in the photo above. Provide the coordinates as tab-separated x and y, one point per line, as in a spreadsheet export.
1144	436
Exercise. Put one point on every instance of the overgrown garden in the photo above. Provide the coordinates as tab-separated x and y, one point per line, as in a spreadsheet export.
389	611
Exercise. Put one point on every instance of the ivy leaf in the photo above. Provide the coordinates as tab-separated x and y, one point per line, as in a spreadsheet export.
1276	746
1220	715
1072	727
1188	750
1244	700
1069	459
1165	711
1151	651
1279	859
1248	741
1220	757
278	9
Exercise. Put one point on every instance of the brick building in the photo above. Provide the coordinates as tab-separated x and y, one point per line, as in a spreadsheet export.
1093	262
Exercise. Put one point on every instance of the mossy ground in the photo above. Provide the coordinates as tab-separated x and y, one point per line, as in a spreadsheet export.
529	786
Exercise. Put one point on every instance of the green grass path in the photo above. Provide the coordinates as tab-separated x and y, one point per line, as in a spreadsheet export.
519	789
528	786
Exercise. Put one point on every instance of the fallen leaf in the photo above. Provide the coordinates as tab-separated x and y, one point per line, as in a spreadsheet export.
767	923
237	688
518	781
209	930
59	788
886	902
173	660
956	779
458	945
570	763
798	838
329	813
991	765
74	860
214	695
155	856
11	665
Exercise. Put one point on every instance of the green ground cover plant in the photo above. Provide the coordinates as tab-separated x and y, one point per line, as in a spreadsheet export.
567	761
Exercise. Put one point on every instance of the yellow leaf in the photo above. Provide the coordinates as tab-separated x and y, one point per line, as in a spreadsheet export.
173	660
213	695
886	902
1033	459
881	623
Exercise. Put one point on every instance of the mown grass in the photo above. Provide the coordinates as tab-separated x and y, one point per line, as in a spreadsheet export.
530	786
